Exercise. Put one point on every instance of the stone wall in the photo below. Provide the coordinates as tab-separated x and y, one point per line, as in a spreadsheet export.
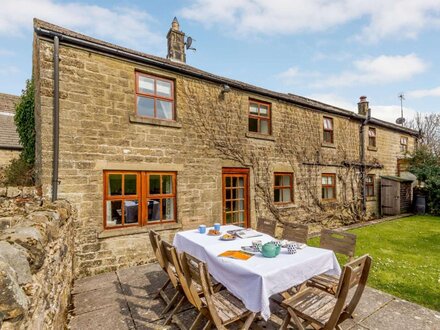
36	256
6	156
99	131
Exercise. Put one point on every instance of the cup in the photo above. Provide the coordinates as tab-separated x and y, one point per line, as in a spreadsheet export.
291	248
217	226
277	243
257	244
202	229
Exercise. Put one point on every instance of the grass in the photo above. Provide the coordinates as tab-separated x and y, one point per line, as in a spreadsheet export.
406	258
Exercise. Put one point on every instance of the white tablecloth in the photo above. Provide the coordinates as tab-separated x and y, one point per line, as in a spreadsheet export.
258	278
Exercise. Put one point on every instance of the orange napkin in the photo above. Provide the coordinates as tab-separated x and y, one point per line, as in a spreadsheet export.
236	254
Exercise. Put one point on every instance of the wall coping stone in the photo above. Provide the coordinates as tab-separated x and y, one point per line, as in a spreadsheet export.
154	121
137	230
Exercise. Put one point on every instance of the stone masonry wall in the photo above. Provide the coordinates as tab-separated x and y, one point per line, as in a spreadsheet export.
36	256
99	131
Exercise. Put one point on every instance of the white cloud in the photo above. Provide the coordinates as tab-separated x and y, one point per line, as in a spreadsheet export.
391	112
377	18
126	25
6	52
419	93
8	70
295	76
335	100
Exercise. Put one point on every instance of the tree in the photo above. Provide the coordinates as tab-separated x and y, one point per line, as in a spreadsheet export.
25	121
429	126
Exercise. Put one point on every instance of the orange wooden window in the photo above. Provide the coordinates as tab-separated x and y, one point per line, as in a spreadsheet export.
259	117
283	188
403	144
139	198
154	97
328	130
369	184
328	184
371	137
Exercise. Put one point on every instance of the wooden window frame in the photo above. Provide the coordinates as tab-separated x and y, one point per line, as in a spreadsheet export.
333	175
292	197
154	95
370	185
372	139
267	118
331	131
142	196
404	146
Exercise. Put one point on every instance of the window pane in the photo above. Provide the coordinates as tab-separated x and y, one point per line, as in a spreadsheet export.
153	210
240	193
228	194
264	126
130	184
146	85
228	218
163	88
253	125
253	108
371	132
264	110
167	184
115	184
131	211
330	193
228	181
277	195
286	195
164	109
154	184
286	180
240	182
235	182
168	209
328	137
330	180
324	180
145	106
114	213
328	123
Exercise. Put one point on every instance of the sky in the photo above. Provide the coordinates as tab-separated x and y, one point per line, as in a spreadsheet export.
333	51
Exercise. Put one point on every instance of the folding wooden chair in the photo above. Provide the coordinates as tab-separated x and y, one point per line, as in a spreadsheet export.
295	232
155	243
339	242
221	308
266	226
326	311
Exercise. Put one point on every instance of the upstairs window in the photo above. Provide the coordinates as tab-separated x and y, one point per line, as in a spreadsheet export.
154	97
372	137
404	144
259	117
369	184
328	130
283	188
328	184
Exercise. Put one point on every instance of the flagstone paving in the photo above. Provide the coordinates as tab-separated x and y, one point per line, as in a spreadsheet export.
124	300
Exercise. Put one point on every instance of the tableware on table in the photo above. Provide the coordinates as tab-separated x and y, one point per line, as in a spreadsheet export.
277	243
284	243
213	232
257	244
250	249
202	229
227	237
291	248
270	250
217	226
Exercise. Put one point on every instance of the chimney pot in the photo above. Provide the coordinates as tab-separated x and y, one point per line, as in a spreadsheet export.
176	43
363	106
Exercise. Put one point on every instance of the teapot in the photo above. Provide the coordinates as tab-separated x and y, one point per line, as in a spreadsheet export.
269	250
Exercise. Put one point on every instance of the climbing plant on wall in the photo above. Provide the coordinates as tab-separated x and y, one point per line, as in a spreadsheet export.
24	119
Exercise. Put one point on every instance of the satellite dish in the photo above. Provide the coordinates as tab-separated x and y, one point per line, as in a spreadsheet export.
189	42
400	121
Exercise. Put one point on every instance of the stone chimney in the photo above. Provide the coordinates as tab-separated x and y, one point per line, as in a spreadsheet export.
176	43
363	106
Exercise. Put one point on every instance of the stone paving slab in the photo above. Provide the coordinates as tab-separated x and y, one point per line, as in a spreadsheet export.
124	300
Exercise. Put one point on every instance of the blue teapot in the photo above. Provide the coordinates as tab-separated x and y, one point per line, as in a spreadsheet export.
270	250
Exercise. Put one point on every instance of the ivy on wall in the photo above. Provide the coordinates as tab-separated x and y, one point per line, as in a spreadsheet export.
25	122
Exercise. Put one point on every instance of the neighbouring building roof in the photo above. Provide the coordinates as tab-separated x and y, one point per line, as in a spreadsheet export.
396	178
8	134
47	29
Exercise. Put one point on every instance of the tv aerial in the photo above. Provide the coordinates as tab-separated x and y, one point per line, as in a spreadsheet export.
189	42
401	119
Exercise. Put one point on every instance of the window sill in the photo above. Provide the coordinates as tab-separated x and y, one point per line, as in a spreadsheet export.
259	136
137	230
154	121
372	148
286	206
328	145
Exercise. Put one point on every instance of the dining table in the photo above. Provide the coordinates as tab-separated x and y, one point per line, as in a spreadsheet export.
258	278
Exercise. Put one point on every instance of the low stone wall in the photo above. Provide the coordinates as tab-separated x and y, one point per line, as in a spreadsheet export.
36	256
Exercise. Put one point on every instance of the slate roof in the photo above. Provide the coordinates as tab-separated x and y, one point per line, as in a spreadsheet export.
8	134
184	68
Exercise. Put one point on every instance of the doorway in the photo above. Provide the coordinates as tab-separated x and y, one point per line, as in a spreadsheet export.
236	196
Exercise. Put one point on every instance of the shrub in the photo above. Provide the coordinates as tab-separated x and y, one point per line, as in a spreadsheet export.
19	173
25	121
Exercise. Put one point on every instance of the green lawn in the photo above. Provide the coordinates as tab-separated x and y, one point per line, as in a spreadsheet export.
406	258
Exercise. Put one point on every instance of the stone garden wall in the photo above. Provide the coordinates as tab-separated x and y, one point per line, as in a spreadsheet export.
36	254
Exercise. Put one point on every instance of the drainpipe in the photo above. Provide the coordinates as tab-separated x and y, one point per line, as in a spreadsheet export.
56	117
362	154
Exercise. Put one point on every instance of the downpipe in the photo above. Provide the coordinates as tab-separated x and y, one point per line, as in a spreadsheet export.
56	116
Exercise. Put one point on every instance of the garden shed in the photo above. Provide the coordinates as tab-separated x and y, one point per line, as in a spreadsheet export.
395	195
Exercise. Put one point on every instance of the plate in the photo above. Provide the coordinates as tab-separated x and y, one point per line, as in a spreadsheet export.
227	238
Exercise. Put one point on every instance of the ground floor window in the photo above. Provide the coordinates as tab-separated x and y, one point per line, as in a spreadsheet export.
328	185
369	184
139	198
283	188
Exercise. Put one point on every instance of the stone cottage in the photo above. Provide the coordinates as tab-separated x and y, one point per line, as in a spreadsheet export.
10	146
139	142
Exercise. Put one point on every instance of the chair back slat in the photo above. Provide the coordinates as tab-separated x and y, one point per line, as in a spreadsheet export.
207	292
191	277
169	255
155	244
296	232
339	242
266	226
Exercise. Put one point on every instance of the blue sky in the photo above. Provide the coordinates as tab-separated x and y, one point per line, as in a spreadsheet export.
330	50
